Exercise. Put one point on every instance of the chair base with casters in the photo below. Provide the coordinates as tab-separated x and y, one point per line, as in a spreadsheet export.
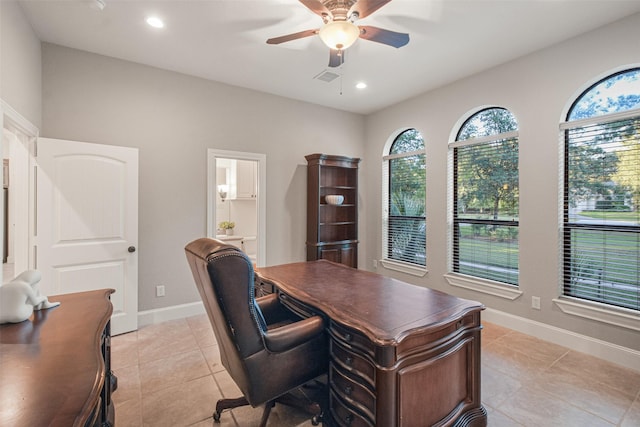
305	404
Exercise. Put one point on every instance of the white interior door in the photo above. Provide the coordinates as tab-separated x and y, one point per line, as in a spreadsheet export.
87	223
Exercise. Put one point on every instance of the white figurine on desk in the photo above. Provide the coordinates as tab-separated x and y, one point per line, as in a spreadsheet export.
21	296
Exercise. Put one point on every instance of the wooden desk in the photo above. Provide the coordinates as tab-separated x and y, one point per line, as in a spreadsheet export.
401	355
55	367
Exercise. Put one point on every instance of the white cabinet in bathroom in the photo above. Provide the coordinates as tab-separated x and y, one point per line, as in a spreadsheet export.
246	179
249	244
231	240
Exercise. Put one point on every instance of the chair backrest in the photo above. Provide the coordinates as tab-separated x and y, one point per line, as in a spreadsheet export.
224	277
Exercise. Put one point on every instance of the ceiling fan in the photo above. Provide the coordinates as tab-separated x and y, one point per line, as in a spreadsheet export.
339	30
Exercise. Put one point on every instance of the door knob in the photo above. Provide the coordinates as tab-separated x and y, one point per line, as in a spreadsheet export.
131	249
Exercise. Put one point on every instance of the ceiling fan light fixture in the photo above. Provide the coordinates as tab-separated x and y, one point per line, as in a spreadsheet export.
339	35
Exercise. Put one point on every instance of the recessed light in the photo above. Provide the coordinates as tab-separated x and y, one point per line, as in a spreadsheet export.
361	85
155	22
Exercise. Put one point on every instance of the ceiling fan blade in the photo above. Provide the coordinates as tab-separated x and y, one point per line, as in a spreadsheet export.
316	7
367	7
336	58
294	36
383	36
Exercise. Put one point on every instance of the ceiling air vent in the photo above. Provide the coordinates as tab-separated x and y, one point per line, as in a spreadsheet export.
326	76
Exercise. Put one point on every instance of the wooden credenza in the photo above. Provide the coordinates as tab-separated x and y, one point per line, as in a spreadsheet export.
55	367
400	355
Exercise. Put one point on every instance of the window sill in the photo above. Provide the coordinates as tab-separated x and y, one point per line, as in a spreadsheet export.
622	317
404	267
485	286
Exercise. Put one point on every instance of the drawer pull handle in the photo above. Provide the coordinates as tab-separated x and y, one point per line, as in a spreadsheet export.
348	390
348	337
349	418
349	361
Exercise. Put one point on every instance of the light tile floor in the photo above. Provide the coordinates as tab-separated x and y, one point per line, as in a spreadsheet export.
170	374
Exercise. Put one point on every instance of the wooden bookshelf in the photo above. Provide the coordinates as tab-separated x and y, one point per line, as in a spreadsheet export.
332	230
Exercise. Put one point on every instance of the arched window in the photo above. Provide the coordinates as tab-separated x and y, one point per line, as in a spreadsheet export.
404	219
601	197
486	197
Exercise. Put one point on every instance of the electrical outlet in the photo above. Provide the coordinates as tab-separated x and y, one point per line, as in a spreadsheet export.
160	290
535	303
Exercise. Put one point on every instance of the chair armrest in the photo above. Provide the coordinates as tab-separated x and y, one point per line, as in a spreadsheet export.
286	337
270	306
274	313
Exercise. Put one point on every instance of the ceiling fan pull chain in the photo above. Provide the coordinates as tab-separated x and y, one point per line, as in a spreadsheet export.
341	56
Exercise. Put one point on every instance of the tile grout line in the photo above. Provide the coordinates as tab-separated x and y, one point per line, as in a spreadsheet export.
559	358
628	411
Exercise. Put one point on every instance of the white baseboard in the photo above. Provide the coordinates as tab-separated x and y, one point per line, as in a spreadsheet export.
613	353
159	315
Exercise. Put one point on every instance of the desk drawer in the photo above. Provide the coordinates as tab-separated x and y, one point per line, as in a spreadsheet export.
344	416
301	309
262	287
351	338
352	362
351	390
447	334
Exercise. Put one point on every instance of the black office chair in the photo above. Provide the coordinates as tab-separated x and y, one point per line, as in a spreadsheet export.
268	350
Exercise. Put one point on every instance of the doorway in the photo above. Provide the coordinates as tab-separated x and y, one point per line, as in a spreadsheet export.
236	196
19	144
18	139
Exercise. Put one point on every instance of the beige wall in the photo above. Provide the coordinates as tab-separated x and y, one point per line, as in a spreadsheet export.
173	119
537	89
20	63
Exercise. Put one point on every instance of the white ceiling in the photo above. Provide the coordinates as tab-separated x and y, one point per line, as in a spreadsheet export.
224	41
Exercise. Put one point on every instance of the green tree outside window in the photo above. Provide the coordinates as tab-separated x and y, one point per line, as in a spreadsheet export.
406	224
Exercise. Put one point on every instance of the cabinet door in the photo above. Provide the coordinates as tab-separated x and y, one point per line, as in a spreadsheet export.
348	256
330	254
343	254
246	171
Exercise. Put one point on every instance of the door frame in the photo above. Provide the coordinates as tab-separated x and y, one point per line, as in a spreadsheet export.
261	187
15	122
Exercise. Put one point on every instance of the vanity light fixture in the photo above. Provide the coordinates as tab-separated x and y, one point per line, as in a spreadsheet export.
99	4
155	22
222	191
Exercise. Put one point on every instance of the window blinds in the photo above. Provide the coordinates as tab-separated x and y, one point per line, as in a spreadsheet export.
405	220
485	212
601	213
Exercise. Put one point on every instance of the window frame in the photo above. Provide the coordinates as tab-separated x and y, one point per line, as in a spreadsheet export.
453	277
570	304
386	261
